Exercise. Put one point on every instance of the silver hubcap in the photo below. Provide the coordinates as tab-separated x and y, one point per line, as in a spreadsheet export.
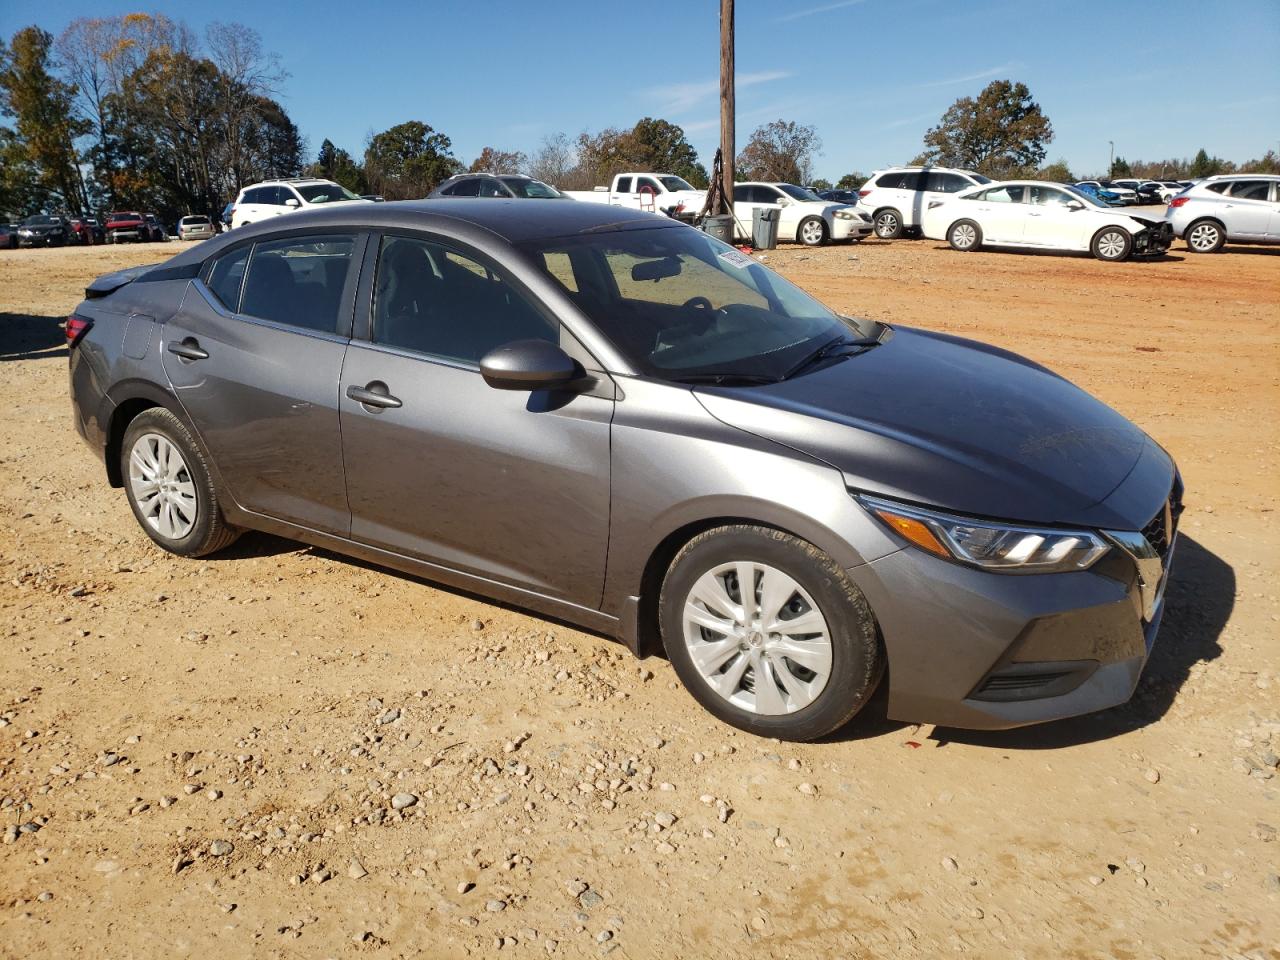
886	224
757	638
1111	245
812	232
963	236
1204	237
162	486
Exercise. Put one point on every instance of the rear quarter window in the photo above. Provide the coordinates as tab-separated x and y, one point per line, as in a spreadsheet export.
226	278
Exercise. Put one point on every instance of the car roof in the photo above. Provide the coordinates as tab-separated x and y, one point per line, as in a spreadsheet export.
514	221
1242	176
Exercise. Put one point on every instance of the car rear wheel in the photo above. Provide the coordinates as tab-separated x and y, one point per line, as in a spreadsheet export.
768	633
888	224
170	488
1205	236
965	236
1112	244
812	232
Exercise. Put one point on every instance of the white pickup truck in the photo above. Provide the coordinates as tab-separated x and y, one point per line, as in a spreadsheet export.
659	192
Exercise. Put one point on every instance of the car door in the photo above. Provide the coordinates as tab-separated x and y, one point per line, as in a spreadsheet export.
505	485
1248	209
1273	222
1001	213
624	194
744	204
255	355
936	185
1052	221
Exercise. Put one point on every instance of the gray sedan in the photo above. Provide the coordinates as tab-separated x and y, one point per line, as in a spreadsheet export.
614	419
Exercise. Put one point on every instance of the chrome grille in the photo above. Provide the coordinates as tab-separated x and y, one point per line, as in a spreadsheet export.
1160	531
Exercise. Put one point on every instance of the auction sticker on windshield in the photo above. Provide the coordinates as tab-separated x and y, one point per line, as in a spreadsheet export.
736	258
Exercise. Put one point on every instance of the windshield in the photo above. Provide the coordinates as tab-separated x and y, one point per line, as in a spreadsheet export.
531	189
675	183
680	304
325	193
1084	195
980	178
799	193
125	216
39	220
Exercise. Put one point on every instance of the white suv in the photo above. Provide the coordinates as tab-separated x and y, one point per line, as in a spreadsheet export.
1236	208
898	197
271	198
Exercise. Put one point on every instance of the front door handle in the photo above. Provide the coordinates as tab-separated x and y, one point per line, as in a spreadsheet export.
374	394
188	349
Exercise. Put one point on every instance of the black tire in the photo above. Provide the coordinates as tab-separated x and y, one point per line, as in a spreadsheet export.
1205	236
857	662
965	236
888	224
1112	244
210	532
808	235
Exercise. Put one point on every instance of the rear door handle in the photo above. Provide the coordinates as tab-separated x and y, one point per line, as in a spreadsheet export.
374	394
188	349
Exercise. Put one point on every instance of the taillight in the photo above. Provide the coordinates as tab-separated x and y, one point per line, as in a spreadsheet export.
863	193
1178	201
76	328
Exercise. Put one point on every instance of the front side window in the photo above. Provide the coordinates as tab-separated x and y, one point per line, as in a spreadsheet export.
674	183
492	188
298	281
531	189
1047	196
433	299
1250	190
227	277
680	304
644	183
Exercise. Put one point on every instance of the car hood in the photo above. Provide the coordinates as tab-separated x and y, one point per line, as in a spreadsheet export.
42	227
940	420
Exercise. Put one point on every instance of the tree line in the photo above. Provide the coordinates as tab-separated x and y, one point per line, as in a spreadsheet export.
137	112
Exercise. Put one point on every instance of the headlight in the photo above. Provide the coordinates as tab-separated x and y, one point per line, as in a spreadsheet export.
999	547
25	233
844	215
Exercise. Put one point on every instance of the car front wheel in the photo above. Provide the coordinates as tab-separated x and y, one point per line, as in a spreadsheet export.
768	633
1205	236
965	236
1112	244
170	487
812	232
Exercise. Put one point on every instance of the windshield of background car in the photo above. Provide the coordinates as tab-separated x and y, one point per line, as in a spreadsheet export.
325	193
675	183
531	189
678	303
799	193
40	221
979	178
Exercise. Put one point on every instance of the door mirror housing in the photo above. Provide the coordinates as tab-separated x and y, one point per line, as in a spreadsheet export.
1074	205
293	202
529	365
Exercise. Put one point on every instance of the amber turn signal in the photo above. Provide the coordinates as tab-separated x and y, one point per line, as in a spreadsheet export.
915	531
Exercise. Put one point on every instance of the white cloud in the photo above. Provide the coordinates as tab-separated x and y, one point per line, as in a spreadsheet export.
679	97
812	11
981	75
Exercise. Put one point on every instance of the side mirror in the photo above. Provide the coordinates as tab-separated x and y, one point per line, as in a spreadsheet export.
783	203
1074	205
292	202
529	365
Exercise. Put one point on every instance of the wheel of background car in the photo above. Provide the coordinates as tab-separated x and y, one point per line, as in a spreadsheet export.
888	224
170	487
1112	244
812	231
965	236
1205	236
768	632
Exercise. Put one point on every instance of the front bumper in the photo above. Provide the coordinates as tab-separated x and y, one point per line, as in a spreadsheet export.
855	229
1154	240
132	233
982	650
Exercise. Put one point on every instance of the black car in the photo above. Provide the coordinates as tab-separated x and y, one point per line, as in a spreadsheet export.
1149	193
43	231
839	196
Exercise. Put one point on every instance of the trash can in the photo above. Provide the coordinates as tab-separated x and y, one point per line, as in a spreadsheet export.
764	228
719	226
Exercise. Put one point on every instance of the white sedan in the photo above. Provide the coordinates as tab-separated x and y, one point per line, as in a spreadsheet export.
1045	216
803	217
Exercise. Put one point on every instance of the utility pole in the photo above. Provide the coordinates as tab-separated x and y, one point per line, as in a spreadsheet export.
1111	164
726	102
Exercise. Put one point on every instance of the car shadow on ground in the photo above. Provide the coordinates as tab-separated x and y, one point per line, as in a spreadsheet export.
1071	254
25	336
1199	601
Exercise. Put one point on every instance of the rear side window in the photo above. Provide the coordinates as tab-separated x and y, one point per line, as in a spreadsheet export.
1010	194
435	300
298	281
624	185
741	194
903	180
1251	190
227	277
947	183
1218	187
467	188
492	188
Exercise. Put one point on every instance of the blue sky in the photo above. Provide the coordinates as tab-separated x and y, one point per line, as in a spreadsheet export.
870	75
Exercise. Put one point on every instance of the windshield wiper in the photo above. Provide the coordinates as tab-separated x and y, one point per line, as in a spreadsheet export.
725	379
830	349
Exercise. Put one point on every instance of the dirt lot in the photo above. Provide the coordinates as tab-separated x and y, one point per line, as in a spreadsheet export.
201	758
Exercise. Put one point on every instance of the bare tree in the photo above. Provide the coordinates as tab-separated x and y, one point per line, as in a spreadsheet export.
247	75
492	160
781	151
555	161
